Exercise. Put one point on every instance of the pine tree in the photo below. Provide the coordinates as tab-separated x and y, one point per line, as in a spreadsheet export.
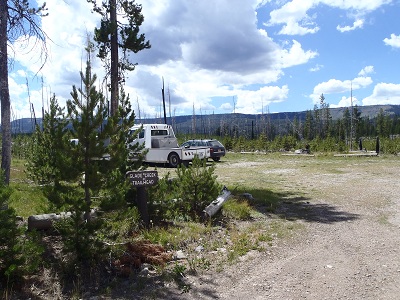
93	168
309	126
48	159
197	187
20	253
114	35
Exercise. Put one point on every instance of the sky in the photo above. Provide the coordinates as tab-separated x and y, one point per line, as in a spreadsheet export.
225	56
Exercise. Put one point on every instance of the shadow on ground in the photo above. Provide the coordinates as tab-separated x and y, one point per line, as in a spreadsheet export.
313	212
293	207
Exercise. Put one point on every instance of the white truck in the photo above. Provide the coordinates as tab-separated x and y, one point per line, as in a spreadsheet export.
161	145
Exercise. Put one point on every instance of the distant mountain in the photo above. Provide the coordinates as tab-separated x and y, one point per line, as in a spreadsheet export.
25	125
208	124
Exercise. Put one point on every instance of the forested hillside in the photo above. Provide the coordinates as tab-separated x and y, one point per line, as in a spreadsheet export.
363	121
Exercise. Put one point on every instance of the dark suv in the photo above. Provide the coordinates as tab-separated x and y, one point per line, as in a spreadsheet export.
217	150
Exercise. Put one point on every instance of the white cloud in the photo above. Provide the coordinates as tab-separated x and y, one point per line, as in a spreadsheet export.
345	102
252	102
204	50
198	58
393	41
357	24
227	107
334	86
294	14
360	6
384	93
22	100
365	71
294	17
294	28
294	55
316	68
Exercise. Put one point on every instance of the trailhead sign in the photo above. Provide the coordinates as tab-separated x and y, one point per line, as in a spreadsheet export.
143	178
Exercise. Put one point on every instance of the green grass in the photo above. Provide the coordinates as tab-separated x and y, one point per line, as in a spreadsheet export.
27	198
177	235
236	209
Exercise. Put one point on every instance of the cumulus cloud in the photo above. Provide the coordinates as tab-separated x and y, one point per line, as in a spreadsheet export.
204	50
393	41
294	55
295	18
251	102
384	93
357	24
227	107
345	102
335	86
365	71
316	68
200	50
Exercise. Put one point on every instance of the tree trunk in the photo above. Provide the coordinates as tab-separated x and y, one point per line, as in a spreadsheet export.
4	94
114	57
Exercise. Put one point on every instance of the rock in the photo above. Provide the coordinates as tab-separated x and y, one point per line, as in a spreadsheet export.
144	271
248	196
199	248
179	255
146	266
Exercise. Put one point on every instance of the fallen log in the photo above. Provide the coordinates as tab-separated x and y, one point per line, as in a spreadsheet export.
216	205
45	221
357	153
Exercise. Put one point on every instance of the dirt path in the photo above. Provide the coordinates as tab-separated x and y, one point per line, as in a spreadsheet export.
349	249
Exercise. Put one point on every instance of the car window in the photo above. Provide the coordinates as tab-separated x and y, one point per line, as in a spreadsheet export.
141	134
201	143
215	144
159	132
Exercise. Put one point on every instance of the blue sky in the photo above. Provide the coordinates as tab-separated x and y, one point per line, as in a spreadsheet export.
223	56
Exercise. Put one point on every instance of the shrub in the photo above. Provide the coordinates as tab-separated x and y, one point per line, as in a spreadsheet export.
19	252
185	197
163	203
197	187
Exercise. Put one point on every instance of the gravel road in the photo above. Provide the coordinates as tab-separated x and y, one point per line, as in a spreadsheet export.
347	249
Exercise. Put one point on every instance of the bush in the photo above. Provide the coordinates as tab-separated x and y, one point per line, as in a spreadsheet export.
163	203
186	197
197	187
19	252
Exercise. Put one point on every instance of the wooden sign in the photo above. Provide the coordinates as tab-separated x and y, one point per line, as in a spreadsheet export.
142	178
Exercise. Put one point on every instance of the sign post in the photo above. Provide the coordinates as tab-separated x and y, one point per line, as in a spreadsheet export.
140	180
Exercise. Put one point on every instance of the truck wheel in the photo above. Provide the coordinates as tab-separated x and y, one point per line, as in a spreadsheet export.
173	160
